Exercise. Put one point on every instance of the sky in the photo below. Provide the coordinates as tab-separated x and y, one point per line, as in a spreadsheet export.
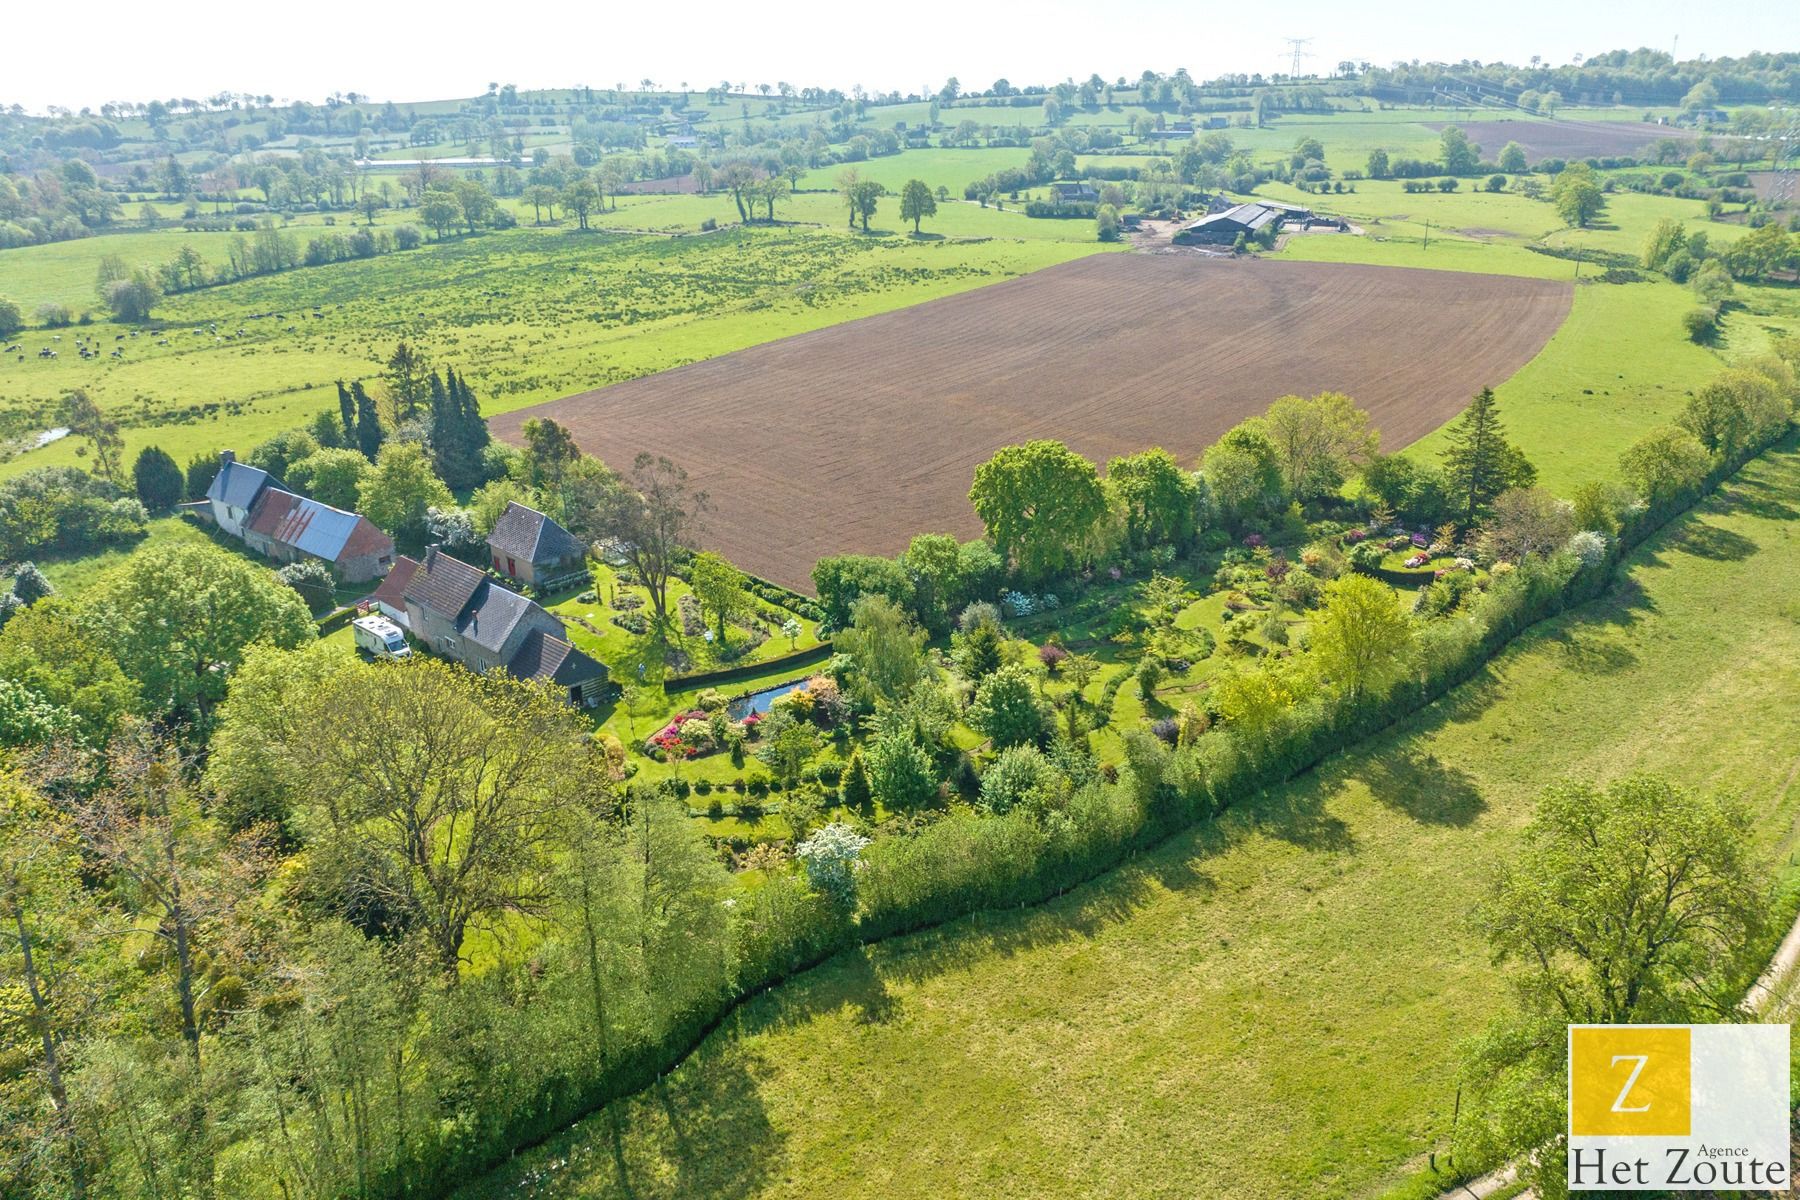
451	48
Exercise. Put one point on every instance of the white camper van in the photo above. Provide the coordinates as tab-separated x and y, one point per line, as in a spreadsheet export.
380	637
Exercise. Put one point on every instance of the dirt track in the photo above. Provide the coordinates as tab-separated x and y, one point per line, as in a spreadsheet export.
856	437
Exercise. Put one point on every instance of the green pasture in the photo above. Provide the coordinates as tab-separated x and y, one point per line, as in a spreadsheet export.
1271	1004
1619	365
955	217
530	315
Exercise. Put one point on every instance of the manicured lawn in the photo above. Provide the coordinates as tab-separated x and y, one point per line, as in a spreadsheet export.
1270	1005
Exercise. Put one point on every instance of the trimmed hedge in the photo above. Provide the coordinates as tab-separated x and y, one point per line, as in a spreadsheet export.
336	619
804	658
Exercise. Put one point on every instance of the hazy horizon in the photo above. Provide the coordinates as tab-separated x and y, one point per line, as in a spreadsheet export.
127	53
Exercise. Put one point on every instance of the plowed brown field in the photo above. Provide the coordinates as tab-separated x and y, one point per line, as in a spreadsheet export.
856	437
1567	139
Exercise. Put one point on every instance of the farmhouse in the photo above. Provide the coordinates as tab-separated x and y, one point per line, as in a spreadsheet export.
528	546
250	504
1074	193
461	614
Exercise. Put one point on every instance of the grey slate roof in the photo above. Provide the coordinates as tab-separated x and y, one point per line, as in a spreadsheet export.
443	584
482	610
492	616
238	484
527	535
542	656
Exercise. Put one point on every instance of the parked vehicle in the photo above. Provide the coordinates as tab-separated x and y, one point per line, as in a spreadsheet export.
380	637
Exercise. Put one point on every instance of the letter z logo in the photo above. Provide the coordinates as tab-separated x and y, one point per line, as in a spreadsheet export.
1640	1060
1627	1080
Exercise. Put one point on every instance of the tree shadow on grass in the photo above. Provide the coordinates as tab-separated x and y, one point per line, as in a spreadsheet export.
1424	787
1759	498
1702	539
1295	813
701	1131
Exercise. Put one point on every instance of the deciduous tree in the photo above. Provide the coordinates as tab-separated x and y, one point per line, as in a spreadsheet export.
1361	640
1040	502
917	203
1319	441
180	617
399	489
654	517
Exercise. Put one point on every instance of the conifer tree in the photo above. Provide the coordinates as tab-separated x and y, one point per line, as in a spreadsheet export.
369	435
1480	463
347	412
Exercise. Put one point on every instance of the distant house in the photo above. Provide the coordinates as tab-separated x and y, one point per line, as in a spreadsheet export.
461	614
683	141
1223	228
1074	193
1703	116
1215	123
528	546
252	505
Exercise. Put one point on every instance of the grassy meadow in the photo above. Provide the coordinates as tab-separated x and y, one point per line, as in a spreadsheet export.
1620	365
1268	1005
529	314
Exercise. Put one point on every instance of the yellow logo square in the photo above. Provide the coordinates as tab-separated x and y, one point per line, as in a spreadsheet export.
1627	1080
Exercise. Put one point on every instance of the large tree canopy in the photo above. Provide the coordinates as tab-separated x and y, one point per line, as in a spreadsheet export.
179	618
1040	503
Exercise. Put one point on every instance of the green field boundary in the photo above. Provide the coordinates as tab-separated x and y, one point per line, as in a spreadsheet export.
1053	875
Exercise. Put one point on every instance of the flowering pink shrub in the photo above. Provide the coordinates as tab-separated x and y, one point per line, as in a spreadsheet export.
1254	540
1418	560
1051	655
1356	535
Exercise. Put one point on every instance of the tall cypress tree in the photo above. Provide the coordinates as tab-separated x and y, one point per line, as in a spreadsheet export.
347	412
368	422
1480	463
474	428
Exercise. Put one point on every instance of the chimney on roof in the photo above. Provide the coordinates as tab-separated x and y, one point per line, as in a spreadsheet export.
430	556
227	456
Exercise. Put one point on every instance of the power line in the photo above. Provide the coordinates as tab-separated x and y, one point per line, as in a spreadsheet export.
1300	52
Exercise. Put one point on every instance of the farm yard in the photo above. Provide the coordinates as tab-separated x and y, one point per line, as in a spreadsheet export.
796	440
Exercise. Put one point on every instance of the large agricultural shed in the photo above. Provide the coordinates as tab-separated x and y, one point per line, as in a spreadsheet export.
857	436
